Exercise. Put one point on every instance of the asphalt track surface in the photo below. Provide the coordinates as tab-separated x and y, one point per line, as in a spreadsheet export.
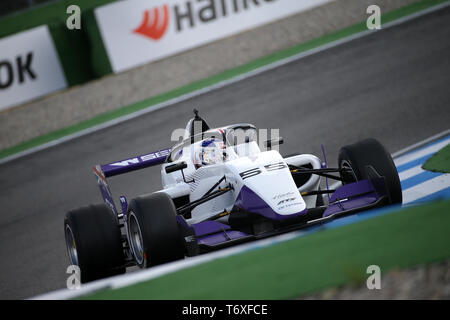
392	85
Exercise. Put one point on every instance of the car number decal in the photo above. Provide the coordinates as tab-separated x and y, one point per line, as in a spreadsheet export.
255	171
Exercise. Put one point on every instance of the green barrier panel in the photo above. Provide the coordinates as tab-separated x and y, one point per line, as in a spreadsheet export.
98	55
78	54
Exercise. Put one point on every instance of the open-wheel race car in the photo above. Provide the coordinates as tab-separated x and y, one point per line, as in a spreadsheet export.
222	188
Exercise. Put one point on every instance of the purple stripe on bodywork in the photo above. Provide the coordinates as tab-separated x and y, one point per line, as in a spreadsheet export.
222	237
213	233
351	190
358	194
105	190
136	163
208	227
350	204
181	221
251	202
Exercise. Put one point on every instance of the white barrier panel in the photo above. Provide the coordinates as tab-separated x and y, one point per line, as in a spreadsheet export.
29	67
140	31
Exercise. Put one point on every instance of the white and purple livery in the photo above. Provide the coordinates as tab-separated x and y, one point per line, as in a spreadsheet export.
221	188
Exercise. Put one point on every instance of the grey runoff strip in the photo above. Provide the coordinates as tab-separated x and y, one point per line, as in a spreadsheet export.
421	143
219	85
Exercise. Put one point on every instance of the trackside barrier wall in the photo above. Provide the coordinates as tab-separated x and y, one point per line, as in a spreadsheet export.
148	32
29	67
73	46
83	57
121	35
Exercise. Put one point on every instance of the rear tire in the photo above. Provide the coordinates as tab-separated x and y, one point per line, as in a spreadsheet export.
154	236
94	242
370	152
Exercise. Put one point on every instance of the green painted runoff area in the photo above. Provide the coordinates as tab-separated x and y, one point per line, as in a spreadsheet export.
440	162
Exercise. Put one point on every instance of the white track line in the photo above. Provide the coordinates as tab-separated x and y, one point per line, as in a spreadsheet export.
410	172
426	188
222	84
417	145
421	153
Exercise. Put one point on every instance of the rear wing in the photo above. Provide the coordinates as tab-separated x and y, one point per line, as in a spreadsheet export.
120	167
136	163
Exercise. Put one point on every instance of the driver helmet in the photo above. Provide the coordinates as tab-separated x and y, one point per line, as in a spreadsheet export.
211	151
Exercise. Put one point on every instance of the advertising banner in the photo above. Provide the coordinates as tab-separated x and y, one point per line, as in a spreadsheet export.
136	32
29	67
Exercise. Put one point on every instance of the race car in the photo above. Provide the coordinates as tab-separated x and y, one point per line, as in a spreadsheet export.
222	187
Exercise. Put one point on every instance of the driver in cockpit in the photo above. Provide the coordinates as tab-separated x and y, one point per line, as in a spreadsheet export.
209	151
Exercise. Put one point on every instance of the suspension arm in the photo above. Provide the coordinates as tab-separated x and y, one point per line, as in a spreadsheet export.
186	208
318	192
321	172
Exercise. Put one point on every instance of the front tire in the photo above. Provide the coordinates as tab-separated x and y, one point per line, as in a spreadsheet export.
370	152
153	231
94	242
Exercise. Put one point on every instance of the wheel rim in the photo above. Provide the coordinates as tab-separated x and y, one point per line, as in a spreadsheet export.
135	234
71	246
348	176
